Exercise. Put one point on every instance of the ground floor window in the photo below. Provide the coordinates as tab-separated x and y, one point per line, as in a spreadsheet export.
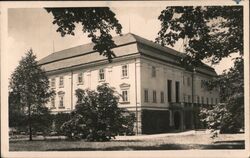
162	97
198	99
154	96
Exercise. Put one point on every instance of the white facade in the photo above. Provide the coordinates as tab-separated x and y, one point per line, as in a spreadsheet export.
160	91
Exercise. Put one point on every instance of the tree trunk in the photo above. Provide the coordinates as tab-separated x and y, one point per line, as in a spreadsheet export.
29	122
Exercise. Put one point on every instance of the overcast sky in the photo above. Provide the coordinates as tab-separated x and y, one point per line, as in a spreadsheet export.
33	28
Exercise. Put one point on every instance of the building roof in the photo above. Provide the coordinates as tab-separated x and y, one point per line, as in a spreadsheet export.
127	44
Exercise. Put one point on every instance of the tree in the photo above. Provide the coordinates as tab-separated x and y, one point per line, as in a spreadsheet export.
97	22
97	117
229	115
211	33
29	91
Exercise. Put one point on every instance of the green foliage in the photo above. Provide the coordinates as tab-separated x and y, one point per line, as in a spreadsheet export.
209	32
97	117
41	120
127	120
229	116
28	92
58	120
96	21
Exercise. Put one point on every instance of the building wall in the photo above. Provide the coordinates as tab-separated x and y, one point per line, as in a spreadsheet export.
140	79
113	76
165	72
201	91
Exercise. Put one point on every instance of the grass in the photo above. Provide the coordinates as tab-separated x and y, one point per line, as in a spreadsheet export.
193	141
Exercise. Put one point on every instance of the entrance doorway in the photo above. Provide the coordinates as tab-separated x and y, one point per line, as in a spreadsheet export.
177	120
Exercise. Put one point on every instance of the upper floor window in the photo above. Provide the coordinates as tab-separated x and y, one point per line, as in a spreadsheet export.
162	97
203	83
212	101
145	95
80	78
207	101
154	97
188	81
53	83
125	96
61	81
101	74
153	71
216	100
124	70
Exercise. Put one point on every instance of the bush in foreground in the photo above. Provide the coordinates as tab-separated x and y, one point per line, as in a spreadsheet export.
97	116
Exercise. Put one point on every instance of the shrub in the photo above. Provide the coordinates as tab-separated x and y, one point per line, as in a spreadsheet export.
218	117
127	120
97	116
58	120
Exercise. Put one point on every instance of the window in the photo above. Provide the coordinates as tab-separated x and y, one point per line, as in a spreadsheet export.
125	96
53	83
80	78
53	103
188	81
125	71
203	83
184	98
61	81
177	92
169	90
61	103
153	71
162	97
207	101
101	74
216	100
212	101
189	99
198	99
145	95
202	100
183	80
154	97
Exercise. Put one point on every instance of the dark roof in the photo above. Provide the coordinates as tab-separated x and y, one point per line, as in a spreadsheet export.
85	54
88	48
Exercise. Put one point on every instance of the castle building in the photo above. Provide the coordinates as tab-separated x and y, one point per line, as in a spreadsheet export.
162	93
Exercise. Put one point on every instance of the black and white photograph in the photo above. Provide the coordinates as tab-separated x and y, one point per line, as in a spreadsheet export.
118	79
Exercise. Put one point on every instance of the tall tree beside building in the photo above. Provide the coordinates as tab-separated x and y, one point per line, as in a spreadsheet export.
29	91
211	33
208	32
97	22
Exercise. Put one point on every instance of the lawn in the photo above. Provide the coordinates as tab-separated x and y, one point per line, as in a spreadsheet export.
173	142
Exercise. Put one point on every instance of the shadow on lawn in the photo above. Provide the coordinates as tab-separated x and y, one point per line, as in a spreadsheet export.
216	145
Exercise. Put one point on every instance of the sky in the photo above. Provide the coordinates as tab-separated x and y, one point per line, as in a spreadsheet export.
32	28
